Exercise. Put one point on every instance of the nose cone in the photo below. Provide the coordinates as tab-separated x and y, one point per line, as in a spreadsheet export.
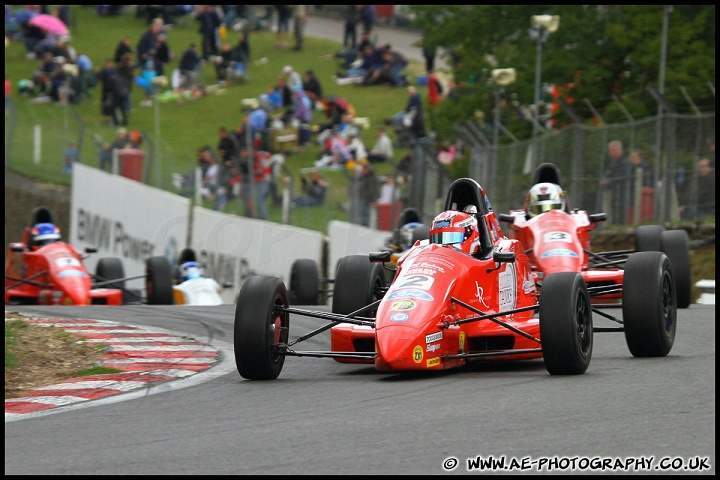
77	291
398	348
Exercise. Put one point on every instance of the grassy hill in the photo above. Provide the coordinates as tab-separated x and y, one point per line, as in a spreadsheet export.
178	131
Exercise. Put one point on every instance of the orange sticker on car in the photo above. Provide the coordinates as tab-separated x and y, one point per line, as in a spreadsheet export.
433	362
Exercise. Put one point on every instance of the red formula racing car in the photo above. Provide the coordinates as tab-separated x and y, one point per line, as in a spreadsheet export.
465	294
557	239
43	270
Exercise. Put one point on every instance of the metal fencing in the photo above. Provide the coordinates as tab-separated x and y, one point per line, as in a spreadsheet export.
671	145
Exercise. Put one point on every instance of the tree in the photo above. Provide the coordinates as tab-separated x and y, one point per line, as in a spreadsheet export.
605	52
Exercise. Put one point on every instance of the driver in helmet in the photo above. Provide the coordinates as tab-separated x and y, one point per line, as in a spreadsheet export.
456	229
544	197
190	271
43	234
194	288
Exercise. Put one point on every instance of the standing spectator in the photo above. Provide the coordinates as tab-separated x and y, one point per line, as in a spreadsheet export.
8	92
364	190
262	176
122	141
163	55
71	156
616	183
283	25
208	30
126	70
389	191
258	121
226	146
147	76
352	17
122	48
104	153
435	89
292	78
146	45
246	167
706	189
115	104
382	151
313	88
637	162
189	66
299	19
223	61
367	17
428	53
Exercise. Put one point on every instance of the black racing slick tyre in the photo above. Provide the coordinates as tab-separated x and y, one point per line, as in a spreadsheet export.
358	283
676	245
566	330
261	332
109	269
158	281
649	304
304	282
648	238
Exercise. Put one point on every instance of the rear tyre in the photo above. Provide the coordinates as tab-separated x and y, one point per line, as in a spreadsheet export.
158	281
648	238
357	284
649	304
109	269
566	330
304	282
676	245
261	333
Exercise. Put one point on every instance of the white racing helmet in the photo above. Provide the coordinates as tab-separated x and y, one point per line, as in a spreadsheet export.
544	197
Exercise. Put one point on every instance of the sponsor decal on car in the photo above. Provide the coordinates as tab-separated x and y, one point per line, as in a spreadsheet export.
399	317
67	262
507	285
417	354
433	362
433	347
479	294
72	273
462	342
410	294
414	281
402	305
559	252
433	337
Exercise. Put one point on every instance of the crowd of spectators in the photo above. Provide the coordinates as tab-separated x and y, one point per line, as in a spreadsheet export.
244	163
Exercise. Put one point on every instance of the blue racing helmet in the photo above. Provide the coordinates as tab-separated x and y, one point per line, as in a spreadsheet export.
43	234
190	270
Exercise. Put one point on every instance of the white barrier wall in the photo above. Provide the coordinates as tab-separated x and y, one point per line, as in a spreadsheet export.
233	248
132	221
125	219
351	239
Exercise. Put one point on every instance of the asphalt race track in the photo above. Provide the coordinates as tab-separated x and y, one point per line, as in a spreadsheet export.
322	417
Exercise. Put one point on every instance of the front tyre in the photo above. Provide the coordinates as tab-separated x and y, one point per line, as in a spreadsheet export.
648	238
358	282
261	332
566	330
649	304
158	281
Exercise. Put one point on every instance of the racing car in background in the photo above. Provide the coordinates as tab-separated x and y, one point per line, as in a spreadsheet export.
445	307
308	287
556	238
42	270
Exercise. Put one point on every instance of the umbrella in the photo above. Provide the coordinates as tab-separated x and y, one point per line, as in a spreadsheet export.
49	23
22	15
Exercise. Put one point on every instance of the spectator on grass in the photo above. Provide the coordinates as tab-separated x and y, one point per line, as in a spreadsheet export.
313	88
209	23
147	43
292	78
189	66
314	191
122	48
383	150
